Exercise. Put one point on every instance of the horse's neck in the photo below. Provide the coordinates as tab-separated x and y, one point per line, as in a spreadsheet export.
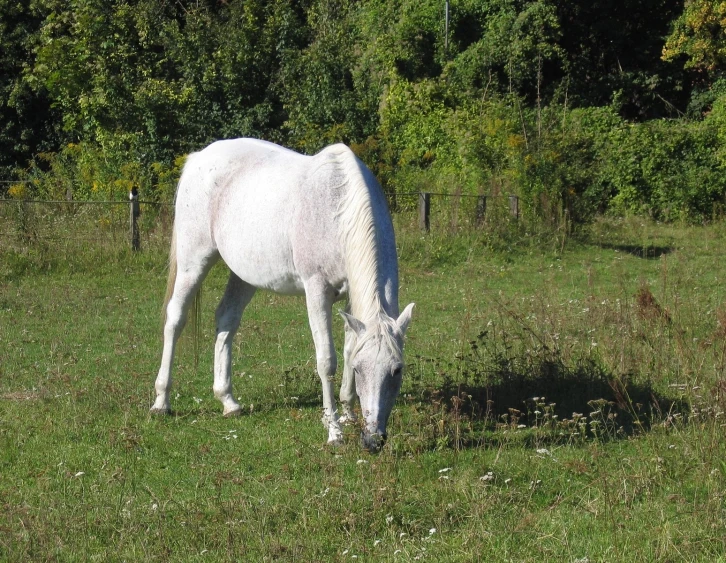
366	240
372	280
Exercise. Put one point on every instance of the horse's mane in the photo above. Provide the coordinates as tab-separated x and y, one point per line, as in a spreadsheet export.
358	232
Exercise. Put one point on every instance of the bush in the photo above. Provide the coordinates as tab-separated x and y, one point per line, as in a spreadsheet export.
666	169
90	171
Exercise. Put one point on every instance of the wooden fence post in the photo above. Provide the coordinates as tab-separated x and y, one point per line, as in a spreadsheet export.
481	210
135	211
424	210
514	206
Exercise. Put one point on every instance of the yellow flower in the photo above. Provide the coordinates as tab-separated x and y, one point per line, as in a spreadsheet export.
18	191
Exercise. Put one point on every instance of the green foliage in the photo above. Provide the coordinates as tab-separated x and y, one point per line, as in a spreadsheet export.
320	93
85	171
162	79
699	33
27	123
552	102
669	170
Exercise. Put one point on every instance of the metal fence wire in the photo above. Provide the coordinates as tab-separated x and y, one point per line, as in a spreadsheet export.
93	222
140	223
451	213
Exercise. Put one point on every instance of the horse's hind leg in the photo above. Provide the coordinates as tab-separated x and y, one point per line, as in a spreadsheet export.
188	280
229	314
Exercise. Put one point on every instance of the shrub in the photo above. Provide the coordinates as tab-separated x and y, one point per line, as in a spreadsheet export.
108	171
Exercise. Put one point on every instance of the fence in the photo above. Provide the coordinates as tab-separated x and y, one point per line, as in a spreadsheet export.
140	223
135	223
476	217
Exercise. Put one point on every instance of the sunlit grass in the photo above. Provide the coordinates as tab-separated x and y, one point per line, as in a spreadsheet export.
558	405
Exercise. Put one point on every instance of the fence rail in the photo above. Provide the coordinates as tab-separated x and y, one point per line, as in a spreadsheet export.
33	221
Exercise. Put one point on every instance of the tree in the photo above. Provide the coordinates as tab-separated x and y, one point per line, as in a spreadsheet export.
699	33
27	122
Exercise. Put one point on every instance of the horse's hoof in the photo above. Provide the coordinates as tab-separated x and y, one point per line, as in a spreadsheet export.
337	443
233	412
155	411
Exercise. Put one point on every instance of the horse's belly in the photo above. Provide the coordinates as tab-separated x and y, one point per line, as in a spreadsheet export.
284	284
273	271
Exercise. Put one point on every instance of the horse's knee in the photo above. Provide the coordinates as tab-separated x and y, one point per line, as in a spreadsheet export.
327	366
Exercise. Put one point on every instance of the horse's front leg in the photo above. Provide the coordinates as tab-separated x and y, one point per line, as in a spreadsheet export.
320	305
347	387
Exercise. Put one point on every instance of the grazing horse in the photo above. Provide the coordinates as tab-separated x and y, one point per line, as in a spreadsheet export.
316	226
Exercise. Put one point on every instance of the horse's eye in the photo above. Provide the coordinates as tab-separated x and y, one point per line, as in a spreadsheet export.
397	371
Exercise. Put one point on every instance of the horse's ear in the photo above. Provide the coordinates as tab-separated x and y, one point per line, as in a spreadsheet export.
404	318
351	323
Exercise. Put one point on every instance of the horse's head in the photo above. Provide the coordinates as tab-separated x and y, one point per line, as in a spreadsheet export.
377	362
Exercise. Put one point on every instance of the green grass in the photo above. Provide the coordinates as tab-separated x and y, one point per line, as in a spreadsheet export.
625	327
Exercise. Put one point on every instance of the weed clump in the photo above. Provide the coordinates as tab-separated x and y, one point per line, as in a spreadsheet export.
648	307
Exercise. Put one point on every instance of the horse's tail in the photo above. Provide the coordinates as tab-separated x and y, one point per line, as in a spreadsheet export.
196	305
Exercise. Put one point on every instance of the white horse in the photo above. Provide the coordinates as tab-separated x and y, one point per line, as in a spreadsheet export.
293	224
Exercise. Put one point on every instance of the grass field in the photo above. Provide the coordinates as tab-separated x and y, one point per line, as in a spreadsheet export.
561	403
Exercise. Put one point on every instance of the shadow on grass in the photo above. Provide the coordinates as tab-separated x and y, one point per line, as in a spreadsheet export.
556	391
297	399
645	252
543	401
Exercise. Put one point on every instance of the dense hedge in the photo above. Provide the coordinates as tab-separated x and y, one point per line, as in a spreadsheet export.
578	107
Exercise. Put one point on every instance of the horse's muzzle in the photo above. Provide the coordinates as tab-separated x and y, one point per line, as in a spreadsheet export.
373	442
